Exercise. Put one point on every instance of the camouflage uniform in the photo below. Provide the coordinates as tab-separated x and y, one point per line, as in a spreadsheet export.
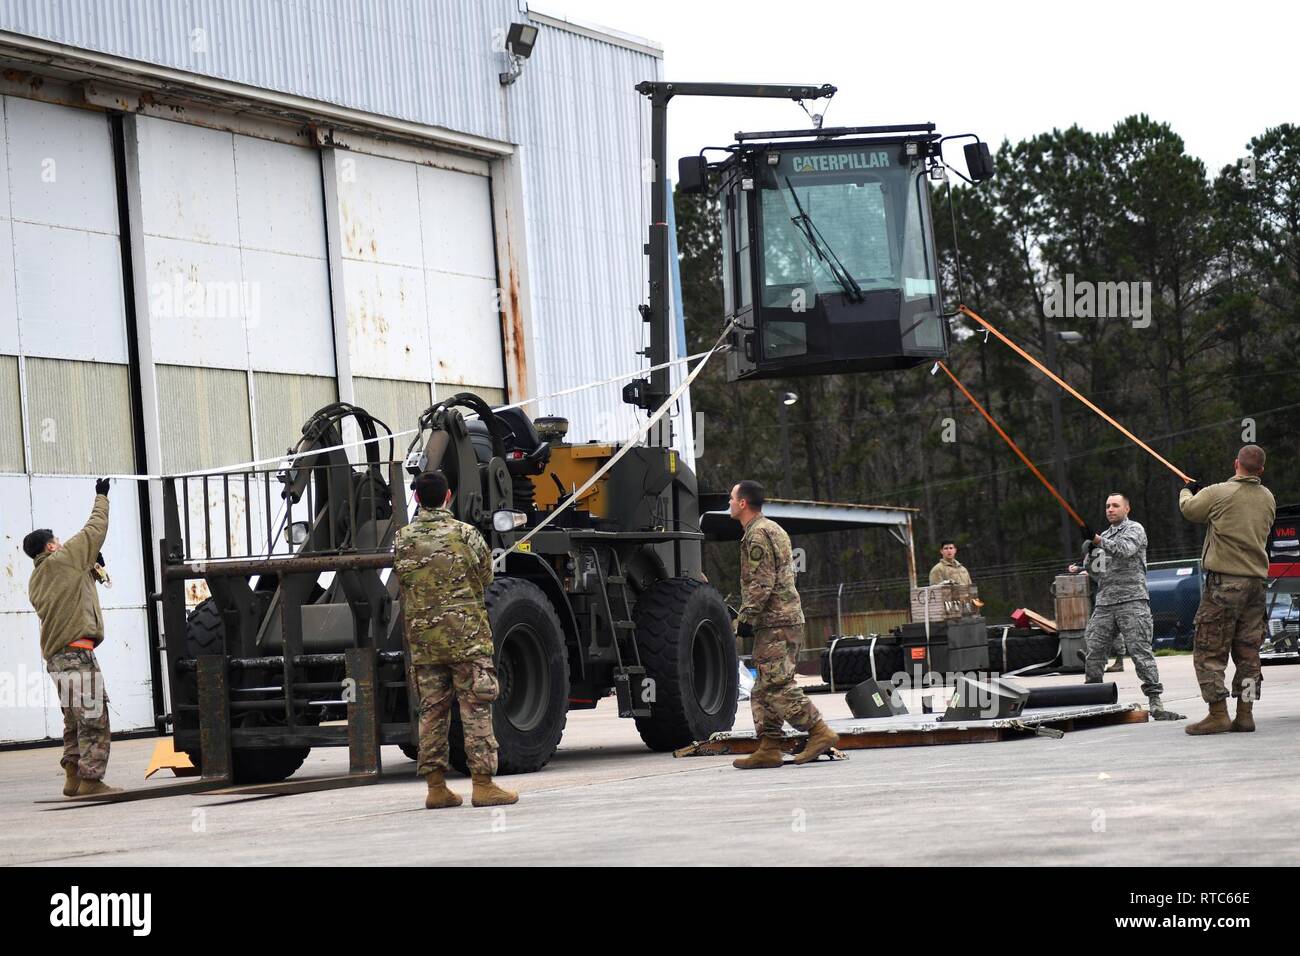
771	606
1232	618
1122	609
444	566
62	591
949	570
83	698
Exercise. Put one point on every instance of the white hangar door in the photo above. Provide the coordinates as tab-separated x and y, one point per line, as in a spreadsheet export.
235	262
65	400
419	279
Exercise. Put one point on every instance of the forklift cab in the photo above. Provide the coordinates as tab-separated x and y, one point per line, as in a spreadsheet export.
829	260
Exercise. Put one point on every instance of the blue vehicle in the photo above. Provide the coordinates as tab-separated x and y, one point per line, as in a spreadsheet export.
1175	588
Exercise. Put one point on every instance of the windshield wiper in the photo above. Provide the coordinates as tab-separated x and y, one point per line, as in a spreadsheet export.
808	229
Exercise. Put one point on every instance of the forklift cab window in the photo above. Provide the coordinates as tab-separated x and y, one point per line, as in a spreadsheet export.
852	223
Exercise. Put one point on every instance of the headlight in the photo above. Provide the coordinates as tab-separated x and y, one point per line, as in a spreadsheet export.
504	521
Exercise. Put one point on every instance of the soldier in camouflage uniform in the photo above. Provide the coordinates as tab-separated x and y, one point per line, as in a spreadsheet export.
1123	606
949	568
444	566
62	590
772	615
1232	618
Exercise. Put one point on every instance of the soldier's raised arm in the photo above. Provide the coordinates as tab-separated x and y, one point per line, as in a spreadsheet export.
1196	507
758	577
83	546
1127	543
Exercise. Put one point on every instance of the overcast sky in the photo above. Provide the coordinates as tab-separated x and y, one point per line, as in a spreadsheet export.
1217	73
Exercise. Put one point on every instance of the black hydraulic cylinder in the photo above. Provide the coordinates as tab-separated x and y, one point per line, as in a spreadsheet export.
1073	695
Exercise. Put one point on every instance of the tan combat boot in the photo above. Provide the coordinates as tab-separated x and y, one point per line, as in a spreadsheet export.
1216	722
94	788
1117	667
767	755
70	781
820	739
439	796
488	794
1244	722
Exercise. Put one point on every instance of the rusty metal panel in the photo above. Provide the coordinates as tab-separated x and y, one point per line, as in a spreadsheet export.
397	404
11	417
8	292
456	222
284	403
34	708
203	417
60	166
70	301
15	522
465	329
79	416
281	206
188	174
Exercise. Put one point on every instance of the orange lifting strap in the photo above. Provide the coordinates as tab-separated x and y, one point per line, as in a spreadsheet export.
1069	388
1014	447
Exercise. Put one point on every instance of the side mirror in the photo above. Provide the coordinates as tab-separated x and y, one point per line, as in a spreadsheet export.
297	533
979	162
505	521
692	174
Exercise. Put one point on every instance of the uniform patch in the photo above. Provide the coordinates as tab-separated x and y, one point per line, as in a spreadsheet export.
756	553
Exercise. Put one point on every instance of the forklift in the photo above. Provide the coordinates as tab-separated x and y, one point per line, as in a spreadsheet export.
830	267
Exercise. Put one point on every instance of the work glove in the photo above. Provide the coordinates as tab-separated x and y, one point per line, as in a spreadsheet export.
101	487
1194	487
744	629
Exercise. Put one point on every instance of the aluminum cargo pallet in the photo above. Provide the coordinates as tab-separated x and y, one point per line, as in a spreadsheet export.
914	730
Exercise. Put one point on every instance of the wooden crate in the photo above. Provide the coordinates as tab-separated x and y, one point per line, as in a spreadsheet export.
946	602
1072	602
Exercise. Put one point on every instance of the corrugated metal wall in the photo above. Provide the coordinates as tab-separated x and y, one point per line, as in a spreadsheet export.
428	61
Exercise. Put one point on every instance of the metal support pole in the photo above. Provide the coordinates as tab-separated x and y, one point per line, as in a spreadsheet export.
363	712
214	718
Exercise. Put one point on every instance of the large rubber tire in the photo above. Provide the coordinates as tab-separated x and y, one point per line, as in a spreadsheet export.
1022	651
688	648
205	634
533	669
853	663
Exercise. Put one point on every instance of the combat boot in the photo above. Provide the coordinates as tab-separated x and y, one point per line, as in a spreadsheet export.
1117	667
820	739
1157	708
1244	722
70	781
1216	722
488	794
439	796
766	756
94	788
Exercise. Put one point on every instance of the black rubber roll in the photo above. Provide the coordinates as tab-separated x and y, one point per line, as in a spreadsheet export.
1073	695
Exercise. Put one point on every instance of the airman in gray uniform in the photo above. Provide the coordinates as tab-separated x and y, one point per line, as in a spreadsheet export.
1122	607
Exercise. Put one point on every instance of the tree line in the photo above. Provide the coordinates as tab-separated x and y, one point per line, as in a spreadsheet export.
1210	364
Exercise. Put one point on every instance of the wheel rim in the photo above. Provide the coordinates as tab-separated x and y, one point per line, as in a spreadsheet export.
525	678
710	670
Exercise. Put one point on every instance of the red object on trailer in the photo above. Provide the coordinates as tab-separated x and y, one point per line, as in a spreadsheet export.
1284	543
